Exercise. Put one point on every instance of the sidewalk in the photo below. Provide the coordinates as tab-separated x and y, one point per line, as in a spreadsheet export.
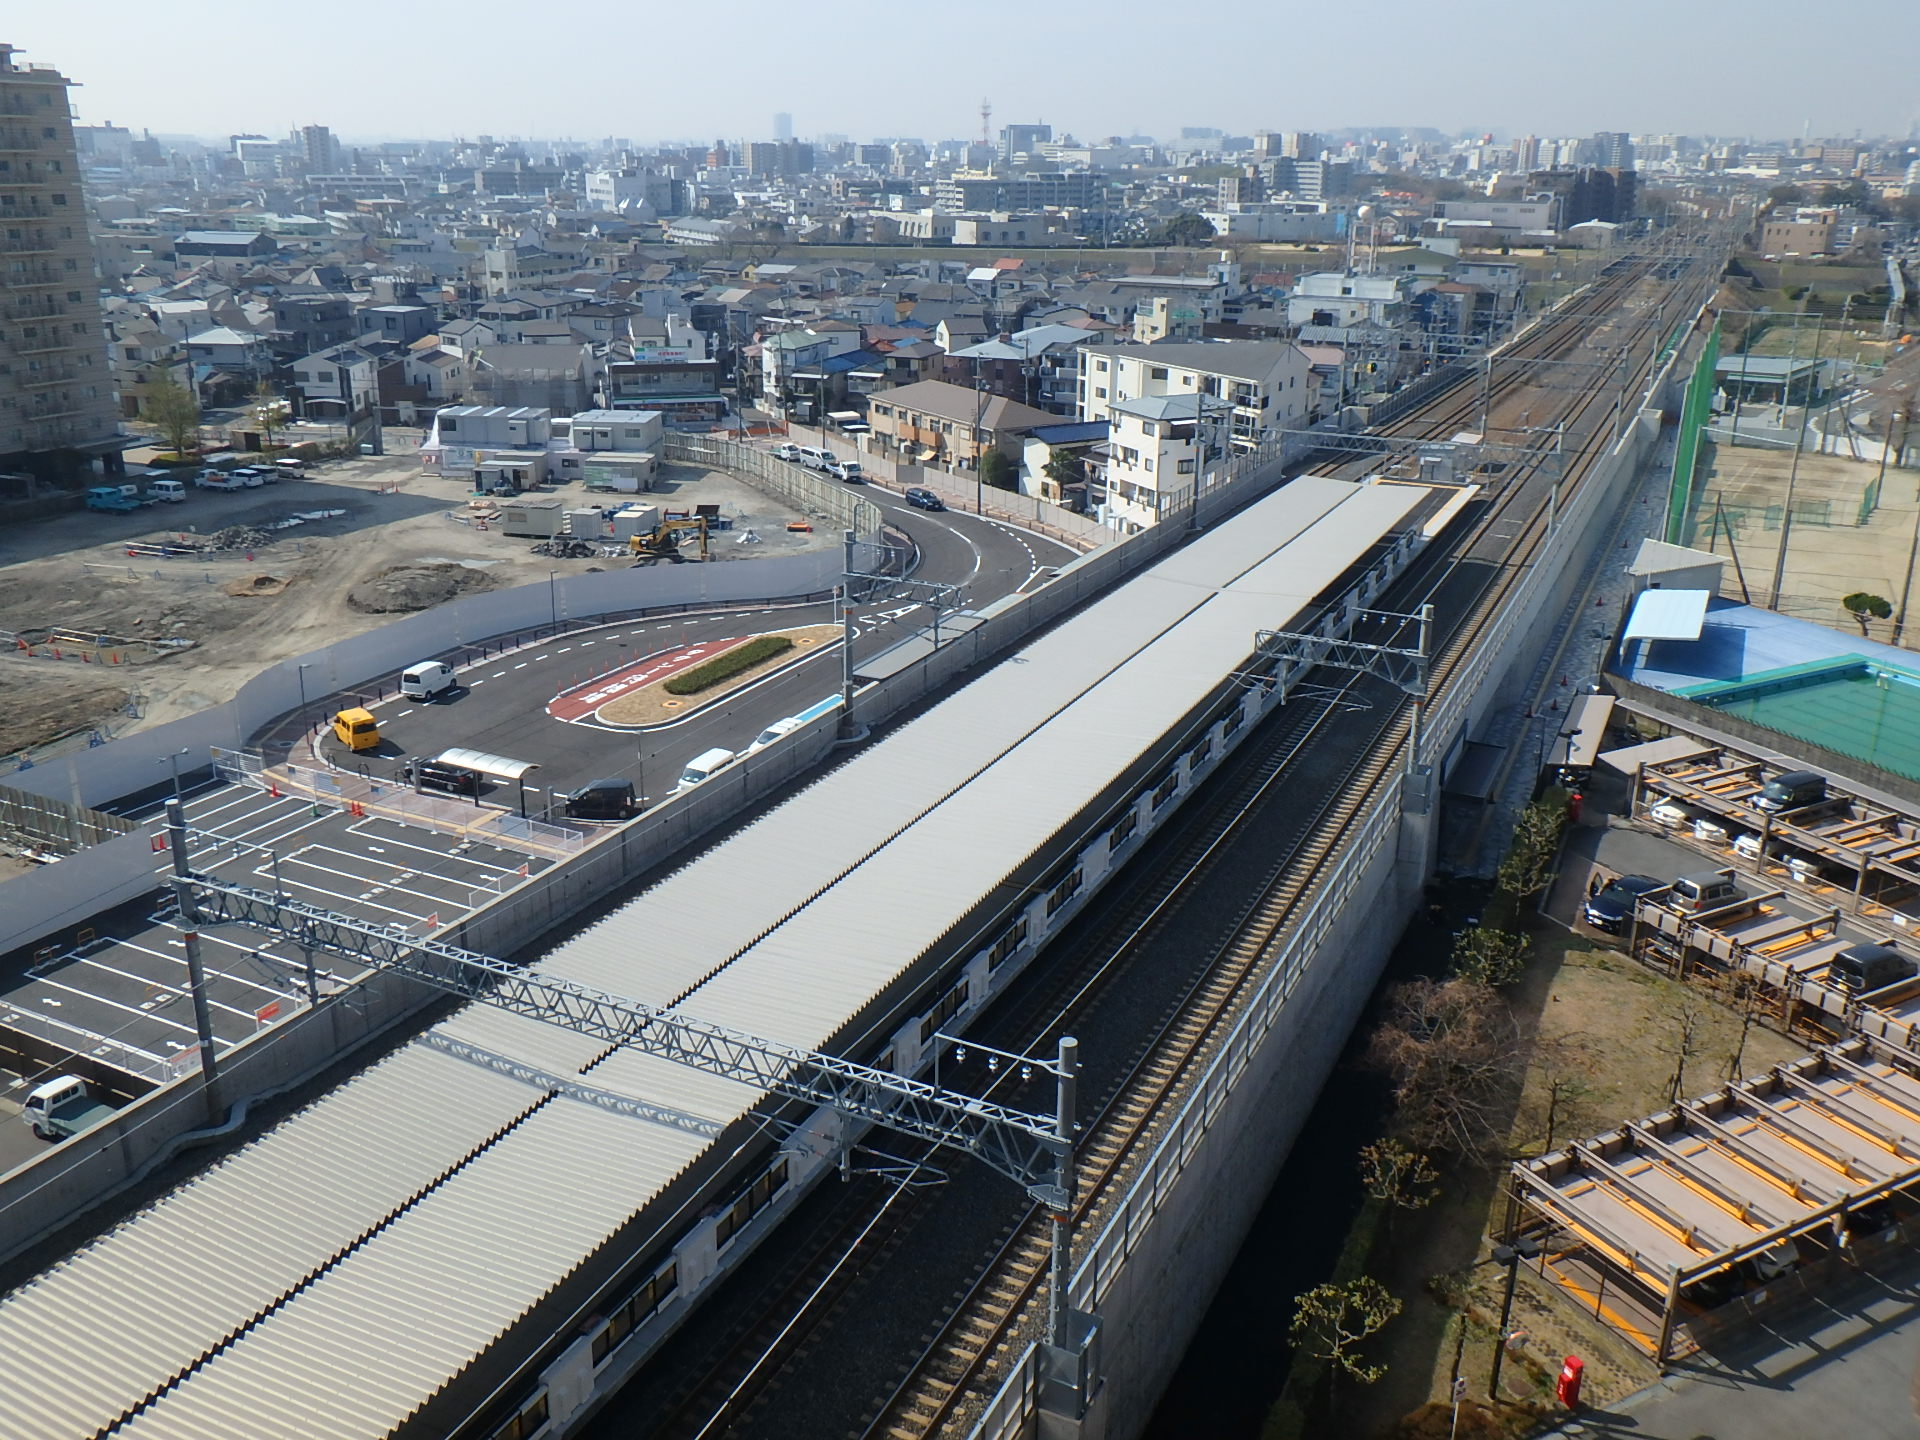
1843	1368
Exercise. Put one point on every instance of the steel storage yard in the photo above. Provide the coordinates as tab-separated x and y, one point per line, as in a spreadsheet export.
444	1199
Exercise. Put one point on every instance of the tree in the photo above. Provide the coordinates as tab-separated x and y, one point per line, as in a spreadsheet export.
1689	1019
1865	607
1536	845
1394	1172
1451	1050
1063	468
998	471
1489	957
174	413
1331	1319
1786	194
1186	228
269	411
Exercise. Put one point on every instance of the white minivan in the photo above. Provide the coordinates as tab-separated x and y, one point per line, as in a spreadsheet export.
427	680
167	492
704	766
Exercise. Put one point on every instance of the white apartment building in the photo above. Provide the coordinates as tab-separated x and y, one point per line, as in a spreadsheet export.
1154	447
1267	383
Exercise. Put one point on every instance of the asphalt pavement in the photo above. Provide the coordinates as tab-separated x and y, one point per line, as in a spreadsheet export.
500	705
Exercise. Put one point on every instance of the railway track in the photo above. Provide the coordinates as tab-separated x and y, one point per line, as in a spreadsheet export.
987	1325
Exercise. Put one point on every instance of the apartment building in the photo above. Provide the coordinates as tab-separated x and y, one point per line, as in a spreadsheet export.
1267	384
57	409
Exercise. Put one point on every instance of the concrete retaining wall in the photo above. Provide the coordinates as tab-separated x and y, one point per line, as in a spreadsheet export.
131	764
82	885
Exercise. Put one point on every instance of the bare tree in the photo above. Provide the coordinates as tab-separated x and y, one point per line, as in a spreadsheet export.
1330	1320
1452	1050
1687	1040
269	411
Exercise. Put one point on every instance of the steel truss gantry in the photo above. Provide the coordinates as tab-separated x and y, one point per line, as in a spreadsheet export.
1399	657
1032	1150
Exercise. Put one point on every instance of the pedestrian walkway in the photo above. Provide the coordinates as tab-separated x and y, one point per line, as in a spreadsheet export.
1844	1367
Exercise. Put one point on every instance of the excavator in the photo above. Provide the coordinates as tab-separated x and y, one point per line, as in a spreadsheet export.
664	543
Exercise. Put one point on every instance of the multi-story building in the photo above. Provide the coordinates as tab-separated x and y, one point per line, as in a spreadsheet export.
321	150
967	191
1022	140
57	409
1266	384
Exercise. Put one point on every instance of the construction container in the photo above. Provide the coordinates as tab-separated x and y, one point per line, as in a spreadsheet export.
586	523
541	518
632	520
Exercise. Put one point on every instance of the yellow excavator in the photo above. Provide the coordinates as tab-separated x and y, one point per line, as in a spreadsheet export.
664	543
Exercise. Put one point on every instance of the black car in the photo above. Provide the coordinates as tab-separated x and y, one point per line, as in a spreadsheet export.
924	500
437	775
1610	907
603	800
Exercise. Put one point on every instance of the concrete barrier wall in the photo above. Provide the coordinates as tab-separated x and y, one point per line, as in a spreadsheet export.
133	762
803	489
97	878
44	1194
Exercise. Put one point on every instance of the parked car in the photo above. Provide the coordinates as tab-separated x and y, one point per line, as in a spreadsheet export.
248	476
792	453
1706	890
603	800
439	775
1860	968
814	458
848	471
1791	791
1611	906
924	499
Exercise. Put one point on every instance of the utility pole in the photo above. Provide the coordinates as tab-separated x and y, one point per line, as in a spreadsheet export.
1059	1303
190	936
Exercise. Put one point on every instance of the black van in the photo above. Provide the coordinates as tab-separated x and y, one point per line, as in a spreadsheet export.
1791	790
1860	968
439	775
603	800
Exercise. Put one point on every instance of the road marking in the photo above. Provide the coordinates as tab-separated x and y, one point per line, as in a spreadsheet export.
583	645
521	666
403	714
497	675
477	682
564	649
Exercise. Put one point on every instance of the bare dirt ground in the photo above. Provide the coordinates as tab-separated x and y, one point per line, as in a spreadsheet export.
74	571
1606	1030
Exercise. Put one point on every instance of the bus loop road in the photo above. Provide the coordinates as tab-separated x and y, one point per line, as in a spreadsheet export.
500	706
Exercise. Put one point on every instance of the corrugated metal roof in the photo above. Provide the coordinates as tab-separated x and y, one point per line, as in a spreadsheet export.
1667	615
96	1334
826	898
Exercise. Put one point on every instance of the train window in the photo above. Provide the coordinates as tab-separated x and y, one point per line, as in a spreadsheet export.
1065	890
638	1308
1014	937
527	1422
950	1005
1123	832
759	1195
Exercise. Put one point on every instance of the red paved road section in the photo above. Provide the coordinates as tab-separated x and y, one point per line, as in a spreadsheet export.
578	704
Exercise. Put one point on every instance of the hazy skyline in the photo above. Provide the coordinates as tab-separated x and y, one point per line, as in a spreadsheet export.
212	67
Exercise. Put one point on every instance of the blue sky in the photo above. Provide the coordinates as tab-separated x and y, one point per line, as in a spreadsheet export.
408	68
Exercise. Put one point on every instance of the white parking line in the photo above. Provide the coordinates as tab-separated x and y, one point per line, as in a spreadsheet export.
563	650
427	850
497	675
521	666
478	682
585	643
403	714
133	1010
451	908
388	876
537	659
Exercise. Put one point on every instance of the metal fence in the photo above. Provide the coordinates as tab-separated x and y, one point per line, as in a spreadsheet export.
794	484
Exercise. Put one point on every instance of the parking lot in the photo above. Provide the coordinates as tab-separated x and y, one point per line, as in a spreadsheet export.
118	992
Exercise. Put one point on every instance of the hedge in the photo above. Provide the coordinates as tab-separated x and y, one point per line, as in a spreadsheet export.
725	667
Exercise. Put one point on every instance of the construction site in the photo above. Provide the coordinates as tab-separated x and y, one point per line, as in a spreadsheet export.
113	622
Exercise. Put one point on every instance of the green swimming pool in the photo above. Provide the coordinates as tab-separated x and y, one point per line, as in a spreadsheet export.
1856	707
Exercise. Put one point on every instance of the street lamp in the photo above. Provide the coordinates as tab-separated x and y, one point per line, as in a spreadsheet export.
301	672
173	764
1510	1256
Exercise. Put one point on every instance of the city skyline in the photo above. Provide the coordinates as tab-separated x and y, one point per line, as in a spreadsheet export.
1649	69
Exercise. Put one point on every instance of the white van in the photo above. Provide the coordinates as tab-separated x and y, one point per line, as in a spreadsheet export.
774	732
428	679
704	766
167	492
814	458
